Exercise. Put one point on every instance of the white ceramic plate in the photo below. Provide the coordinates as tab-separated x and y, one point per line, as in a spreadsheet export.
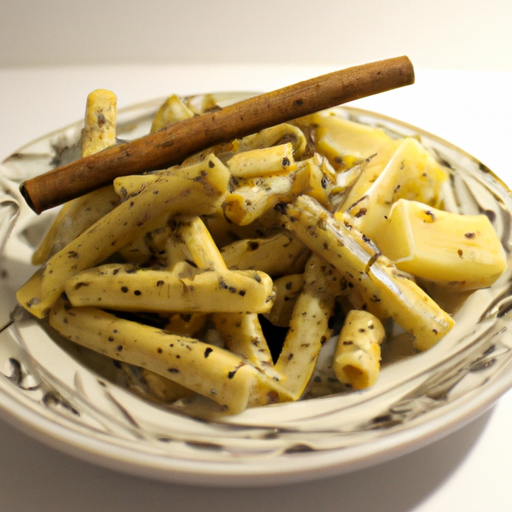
77	402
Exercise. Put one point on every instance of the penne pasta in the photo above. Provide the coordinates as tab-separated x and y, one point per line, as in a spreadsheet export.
309	325
241	332
99	130
172	110
357	356
205	369
200	244
243	336
275	255
185	289
262	162
73	219
287	290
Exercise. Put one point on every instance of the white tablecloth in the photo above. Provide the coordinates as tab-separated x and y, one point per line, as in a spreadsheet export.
469	470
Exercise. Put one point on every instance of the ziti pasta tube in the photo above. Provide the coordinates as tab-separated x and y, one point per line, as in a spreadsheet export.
206	369
185	290
357	355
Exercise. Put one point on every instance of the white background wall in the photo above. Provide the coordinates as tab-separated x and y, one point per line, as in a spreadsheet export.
447	34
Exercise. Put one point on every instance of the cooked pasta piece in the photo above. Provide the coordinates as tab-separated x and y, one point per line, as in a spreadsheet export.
205	369
309	325
261	162
287	290
200	244
99	130
241	332
172	110
279	134
275	255
243	336
75	217
357	355
185	289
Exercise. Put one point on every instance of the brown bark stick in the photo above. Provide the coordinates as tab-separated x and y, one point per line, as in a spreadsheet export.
174	143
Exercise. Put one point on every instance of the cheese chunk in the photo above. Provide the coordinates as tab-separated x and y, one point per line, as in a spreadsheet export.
443	246
411	173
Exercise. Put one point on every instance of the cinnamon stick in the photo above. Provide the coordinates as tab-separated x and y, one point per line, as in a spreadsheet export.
174	143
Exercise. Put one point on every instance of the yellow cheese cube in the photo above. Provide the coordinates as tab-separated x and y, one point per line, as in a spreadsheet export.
411	173
443	246
346	144
341	139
